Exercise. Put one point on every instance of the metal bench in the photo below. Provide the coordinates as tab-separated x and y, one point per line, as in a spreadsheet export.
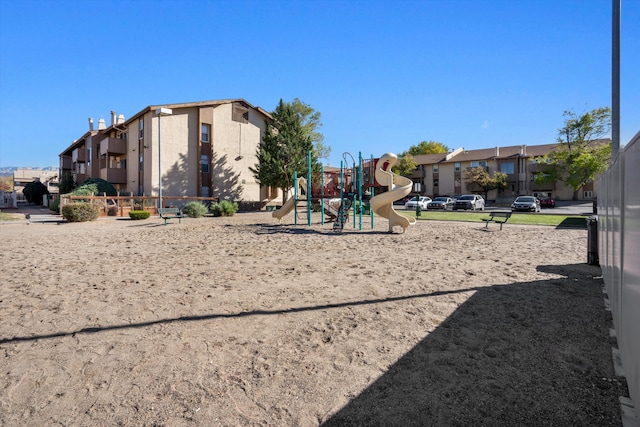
170	213
498	217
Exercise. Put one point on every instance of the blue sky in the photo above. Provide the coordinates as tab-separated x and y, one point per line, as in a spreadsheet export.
385	75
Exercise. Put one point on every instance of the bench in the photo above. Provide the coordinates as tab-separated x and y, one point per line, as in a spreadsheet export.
170	213
497	217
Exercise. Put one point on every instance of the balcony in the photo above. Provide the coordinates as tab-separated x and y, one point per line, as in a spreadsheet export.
79	155
113	146
65	162
114	175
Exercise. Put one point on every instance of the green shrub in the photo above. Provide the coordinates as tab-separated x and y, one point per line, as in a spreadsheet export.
139	214
80	212
224	208
194	210
55	205
98	186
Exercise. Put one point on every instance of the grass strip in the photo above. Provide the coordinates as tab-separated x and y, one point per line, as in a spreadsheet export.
516	218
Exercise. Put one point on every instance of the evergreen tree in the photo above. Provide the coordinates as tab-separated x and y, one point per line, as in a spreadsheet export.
284	150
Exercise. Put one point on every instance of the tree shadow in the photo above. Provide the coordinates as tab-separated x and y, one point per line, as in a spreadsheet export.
525	354
176	181
226	181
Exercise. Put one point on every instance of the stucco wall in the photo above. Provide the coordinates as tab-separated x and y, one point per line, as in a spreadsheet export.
234	147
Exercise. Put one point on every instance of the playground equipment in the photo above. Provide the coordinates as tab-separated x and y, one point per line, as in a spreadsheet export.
398	186
299	193
348	191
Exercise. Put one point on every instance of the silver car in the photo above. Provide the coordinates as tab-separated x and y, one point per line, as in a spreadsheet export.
526	203
443	203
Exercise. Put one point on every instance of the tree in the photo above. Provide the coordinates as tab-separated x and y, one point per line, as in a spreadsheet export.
481	178
310	120
67	183
427	147
405	166
284	150
580	154
6	183
407	163
34	191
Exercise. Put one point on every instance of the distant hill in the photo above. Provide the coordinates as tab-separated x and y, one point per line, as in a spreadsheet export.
9	170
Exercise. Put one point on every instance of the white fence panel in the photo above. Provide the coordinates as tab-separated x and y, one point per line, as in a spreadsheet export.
619	253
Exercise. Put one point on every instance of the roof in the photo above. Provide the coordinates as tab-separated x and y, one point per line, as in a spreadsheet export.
142	112
429	159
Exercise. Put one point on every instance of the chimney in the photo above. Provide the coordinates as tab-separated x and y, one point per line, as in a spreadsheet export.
91	124
101	125
497	151
120	119
113	118
523	151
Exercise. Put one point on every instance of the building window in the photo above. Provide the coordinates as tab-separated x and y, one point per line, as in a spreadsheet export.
478	164
140	163
436	182
588	194
204	163
239	113
140	128
89	157
435	168
507	168
204	191
206	130
456	167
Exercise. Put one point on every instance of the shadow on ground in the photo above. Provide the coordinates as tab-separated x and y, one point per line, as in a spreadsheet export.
524	354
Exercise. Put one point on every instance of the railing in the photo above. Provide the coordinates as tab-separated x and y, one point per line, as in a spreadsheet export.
113	146
618	249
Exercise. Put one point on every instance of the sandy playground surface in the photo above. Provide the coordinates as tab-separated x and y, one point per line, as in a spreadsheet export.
244	321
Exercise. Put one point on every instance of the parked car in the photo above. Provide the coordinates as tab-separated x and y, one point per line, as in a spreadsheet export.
547	202
423	202
443	203
469	201
526	203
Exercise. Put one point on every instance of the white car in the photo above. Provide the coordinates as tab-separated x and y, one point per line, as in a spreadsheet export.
423	202
469	201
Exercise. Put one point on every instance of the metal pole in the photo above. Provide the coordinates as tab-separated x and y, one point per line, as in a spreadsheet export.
309	188
322	193
159	165
615	80
295	197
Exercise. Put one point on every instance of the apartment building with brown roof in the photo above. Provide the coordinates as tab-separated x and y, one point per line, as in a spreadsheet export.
202	149
443	174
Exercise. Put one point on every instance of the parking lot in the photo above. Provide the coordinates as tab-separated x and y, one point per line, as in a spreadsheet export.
563	207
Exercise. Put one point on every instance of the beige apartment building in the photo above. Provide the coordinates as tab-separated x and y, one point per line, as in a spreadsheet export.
443	174
201	149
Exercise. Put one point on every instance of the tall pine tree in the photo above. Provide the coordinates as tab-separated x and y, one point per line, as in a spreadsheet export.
284	150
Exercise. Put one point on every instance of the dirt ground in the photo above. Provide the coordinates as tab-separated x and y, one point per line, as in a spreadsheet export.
246	321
